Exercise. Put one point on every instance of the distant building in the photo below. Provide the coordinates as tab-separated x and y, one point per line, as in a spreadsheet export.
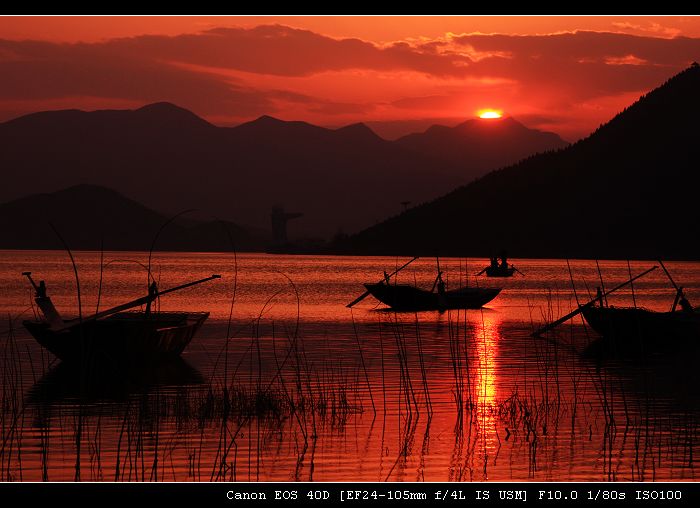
279	225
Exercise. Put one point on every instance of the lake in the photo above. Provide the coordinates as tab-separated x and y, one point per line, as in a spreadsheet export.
284	382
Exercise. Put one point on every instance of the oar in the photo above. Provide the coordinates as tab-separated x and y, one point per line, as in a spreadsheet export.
141	301
439	275
559	321
679	290
521	273
668	275
482	271
367	293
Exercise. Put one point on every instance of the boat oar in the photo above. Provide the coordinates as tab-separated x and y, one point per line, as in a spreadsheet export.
29	276
521	273
482	271
669	277
559	321
439	275
183	286
679	290
367	293
141	301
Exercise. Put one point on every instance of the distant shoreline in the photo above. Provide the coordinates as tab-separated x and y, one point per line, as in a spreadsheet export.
345	254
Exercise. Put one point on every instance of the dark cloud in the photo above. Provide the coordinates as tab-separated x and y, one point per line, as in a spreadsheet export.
583	44
284	51
43	71
210	72
583	64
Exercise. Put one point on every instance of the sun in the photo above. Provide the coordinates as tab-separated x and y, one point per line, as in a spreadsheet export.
489	113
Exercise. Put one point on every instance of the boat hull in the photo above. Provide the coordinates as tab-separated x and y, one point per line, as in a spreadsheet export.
409	298
637	327
130	337
500	272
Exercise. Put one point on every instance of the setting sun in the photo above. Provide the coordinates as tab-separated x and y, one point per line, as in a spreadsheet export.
489	113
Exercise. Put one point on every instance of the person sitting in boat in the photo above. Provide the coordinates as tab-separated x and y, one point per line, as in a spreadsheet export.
494	263
442	296
152	292
41	290
47	308
504	262
441	285
685	304
599	296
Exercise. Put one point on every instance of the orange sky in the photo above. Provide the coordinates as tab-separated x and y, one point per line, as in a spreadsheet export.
566	74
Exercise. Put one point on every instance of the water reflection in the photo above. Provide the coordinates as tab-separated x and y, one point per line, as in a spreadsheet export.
70	384
346	395
487	340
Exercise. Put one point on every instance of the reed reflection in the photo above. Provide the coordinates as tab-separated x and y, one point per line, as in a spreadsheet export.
363	394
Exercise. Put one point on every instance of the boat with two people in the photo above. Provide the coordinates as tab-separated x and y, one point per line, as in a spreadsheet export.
406	297
500	268
116	335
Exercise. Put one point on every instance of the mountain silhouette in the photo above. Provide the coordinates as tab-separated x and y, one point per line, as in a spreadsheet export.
481	145
169	159
90	217
629	190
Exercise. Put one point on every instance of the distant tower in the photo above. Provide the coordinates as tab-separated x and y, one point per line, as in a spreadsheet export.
279	225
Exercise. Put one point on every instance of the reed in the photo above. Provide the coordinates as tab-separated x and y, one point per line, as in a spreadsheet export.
290	395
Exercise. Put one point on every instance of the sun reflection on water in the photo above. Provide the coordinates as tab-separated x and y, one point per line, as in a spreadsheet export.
486	341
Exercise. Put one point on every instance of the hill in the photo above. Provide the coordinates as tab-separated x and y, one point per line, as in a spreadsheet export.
629	190
87	215
169	159
482	145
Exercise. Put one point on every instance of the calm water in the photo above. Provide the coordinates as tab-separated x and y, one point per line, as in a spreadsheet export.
306	389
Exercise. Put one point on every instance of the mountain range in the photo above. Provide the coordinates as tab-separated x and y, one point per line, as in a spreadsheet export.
88	217
481	144
169	160
629	190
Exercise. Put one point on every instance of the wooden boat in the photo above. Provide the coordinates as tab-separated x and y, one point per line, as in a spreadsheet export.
631	330
115	335
499	271
598	300
644	328
403	297
635	326
410	298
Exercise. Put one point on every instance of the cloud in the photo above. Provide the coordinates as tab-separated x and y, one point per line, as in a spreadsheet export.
584	64
577	60
49	73
626	60
43	71
284	51
652	28
240	73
